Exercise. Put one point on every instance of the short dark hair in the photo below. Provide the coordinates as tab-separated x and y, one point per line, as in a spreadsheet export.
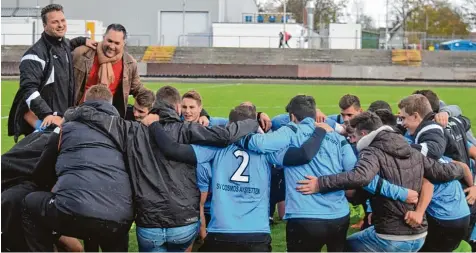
117	28
432	98
193	94
50	8
248	103
302	106
379	105
145	98
242	112
168	94
98	92
415	103
367	121
349	100
387	117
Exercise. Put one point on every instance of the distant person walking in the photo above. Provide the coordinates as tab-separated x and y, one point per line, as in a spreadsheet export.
287	37
281	40
284	38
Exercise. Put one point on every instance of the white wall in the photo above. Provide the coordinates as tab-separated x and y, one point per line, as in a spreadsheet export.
19	30
345	36
253	35
236	8
197	28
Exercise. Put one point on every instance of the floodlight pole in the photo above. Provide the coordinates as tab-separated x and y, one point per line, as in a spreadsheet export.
386	25
183	19
284	19
310	22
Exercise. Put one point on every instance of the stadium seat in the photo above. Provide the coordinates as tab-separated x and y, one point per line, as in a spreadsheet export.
158	54
260	19
272	19
248	19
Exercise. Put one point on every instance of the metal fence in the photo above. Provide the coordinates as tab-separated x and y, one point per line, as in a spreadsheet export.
315	42
358	41
417	40
29	39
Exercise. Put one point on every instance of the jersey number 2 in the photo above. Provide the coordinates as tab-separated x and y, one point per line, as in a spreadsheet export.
238	175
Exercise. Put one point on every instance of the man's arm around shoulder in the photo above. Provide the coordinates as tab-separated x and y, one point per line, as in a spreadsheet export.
364	171
218	136
438	172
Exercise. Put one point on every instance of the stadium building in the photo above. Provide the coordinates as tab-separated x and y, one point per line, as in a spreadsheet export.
159	22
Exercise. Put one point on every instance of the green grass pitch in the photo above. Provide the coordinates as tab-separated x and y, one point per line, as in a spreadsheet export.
218	99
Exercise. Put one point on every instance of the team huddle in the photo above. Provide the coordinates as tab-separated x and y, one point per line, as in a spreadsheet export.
91	165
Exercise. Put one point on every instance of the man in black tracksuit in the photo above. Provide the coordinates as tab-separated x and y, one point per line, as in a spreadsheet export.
45	90
46	76
92	198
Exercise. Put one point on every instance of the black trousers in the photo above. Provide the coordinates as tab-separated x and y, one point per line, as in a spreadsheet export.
310	235
445	235
277	191
13	238
221	242
43	223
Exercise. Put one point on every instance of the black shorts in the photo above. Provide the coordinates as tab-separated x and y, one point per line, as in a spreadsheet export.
222	242
445	235
310	235
277	191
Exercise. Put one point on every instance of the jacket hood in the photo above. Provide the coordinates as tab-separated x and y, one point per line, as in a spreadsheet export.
386	139
165	111
87	111
102	106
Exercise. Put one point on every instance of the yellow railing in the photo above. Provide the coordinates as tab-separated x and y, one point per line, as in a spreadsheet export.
158	54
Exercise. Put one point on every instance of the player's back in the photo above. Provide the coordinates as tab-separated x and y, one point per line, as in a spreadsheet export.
240	187
335	156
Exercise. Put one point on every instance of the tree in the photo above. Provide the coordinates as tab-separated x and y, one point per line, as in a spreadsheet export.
402	9
438	19
326	11
367	22
267	6
469	9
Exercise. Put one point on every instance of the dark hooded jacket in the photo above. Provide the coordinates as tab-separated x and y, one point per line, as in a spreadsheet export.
165	192
19	163
93	179
387	154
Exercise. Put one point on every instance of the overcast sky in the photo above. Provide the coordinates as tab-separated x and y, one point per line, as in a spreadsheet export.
374	8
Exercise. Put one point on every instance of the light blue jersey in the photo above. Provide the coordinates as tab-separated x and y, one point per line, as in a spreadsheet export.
449	201
217	121
337	118
283	119
204	175
240	185
335	156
